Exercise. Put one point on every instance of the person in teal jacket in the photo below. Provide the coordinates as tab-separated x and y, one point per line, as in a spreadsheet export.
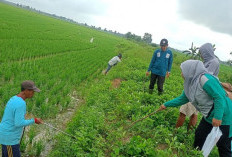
207	95
211	63
160	66
13	120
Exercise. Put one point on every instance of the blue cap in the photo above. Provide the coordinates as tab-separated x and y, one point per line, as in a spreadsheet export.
164	42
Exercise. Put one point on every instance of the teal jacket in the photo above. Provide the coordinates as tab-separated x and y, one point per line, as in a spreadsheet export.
13	121
161	62
212	101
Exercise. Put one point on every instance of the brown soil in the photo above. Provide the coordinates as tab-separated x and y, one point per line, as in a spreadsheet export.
162	146
116	83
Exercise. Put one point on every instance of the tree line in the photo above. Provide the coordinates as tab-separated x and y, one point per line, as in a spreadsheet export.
147	38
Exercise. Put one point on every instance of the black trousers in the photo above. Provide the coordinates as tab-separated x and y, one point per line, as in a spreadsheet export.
11	150
160	82
224	143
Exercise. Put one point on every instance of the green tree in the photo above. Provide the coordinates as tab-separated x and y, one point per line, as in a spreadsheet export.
214	47
138	38
128	35
147	38
193	51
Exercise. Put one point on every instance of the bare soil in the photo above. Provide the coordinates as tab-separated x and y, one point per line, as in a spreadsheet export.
116	83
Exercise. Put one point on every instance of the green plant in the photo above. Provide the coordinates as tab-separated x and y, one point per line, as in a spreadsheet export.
193	52
39	147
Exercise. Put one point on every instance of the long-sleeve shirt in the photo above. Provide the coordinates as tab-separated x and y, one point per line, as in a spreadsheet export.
161	62
114	61
215	102
13	121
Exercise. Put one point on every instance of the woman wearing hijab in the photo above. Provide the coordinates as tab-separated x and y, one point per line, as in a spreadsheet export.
207	95
211	63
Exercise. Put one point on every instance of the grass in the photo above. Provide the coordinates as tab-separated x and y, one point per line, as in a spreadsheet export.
60	58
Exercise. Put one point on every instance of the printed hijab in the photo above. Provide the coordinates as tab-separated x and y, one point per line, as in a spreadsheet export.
192	71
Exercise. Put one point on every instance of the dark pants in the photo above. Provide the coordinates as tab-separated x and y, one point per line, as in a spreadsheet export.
224	143
160	82
108	68
11	151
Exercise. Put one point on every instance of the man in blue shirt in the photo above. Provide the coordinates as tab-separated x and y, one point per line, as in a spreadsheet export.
160	66
13	120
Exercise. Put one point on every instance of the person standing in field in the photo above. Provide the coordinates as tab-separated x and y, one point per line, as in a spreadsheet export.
207	95
114	61
13	120
211	63
160	66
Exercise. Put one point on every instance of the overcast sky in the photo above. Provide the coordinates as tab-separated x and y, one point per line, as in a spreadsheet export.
180	21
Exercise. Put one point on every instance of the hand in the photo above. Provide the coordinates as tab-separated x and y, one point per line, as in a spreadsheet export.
147	73
216	122
162	107
38	121
167	74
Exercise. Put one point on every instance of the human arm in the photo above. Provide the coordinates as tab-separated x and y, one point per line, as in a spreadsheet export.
38	120
182	99
19	117
167	74
152	61
213	88
147	73
216	122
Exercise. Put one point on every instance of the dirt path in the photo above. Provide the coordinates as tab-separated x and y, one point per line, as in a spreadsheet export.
47	134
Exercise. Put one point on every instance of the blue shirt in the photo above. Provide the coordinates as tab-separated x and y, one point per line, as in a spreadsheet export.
161	62
13	121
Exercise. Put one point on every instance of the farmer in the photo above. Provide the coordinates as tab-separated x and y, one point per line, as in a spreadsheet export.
13	120
211	63
205	92
114	61
160	65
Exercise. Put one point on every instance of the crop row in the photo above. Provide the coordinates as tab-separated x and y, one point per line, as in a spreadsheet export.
101	126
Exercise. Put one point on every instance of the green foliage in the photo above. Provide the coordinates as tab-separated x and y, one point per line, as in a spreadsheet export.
147	38
56	55
23	145
60	59
31	134
112	110
39	147
193	51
